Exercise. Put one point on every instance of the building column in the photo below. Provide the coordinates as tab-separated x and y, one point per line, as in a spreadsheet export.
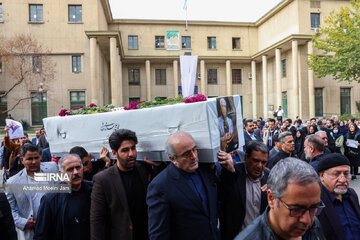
148	80
203	85
94	73
295	83
311	84
176	78
265	87
278	77
115	74
228	78
253	88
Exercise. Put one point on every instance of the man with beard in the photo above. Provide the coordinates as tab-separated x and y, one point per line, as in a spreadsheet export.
293	195
314	150
340	219
66	215
118	199
249	134
25	205
269	134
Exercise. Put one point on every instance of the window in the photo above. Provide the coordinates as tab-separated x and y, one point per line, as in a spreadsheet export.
186	42
37	65
283	68
134	76
235	43
3	109
319	102
315	20
315	4
134	99
345	101
38	107
77	99
1	13
284	104
133	42
76	63
160	76
75	13
211	42
212	76
35	13
159	42
1	65
236	76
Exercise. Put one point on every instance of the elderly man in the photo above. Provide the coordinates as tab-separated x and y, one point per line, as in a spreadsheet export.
341	217
241	192
293	194
66	215
325	137
182	199
287	148
25	205
313	150
118	199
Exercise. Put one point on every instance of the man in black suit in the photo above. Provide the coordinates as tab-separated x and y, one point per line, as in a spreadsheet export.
118	199
242	193
182	199
340	219
249	133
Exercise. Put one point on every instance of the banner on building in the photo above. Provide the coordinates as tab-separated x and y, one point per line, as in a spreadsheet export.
153	126
172	40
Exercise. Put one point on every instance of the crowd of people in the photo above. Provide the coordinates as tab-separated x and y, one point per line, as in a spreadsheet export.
290	180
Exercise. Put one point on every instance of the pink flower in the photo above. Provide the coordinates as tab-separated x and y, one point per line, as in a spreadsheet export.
81	106
64	112
188	100
92	105
75	108
140	102
132	105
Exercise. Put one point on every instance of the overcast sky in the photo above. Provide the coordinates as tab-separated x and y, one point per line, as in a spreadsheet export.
207	10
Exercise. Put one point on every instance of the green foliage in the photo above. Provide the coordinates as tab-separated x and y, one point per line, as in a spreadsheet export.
158	102
91	110
25	124
339	40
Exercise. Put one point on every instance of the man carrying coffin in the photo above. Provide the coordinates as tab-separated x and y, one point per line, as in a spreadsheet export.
242	192
182	199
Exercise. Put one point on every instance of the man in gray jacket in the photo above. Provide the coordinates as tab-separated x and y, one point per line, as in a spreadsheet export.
25	204
293	196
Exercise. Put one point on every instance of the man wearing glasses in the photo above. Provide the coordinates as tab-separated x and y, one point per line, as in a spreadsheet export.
293	194
182	199
341	217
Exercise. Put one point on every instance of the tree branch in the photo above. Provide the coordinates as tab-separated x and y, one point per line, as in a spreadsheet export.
18	102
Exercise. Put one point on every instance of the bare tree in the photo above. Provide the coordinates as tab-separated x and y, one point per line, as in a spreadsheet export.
27	63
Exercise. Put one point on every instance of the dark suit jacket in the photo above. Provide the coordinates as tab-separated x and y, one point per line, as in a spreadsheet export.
176	211
109	215
329	219
233	200
43	143
247	138
33	141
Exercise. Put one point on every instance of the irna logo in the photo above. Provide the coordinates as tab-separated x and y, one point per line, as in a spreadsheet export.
52	177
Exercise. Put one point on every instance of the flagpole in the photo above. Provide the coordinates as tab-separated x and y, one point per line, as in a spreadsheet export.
186	22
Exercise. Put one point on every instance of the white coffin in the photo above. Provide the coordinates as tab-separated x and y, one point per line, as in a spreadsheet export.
153	126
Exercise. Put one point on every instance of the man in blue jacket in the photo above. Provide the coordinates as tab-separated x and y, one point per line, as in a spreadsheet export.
66	215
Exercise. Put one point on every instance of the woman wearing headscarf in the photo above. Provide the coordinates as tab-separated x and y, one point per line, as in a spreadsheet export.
313	129
353	153
342	128
299	142
339	139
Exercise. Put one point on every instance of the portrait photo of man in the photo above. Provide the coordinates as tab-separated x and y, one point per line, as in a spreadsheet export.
227	124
